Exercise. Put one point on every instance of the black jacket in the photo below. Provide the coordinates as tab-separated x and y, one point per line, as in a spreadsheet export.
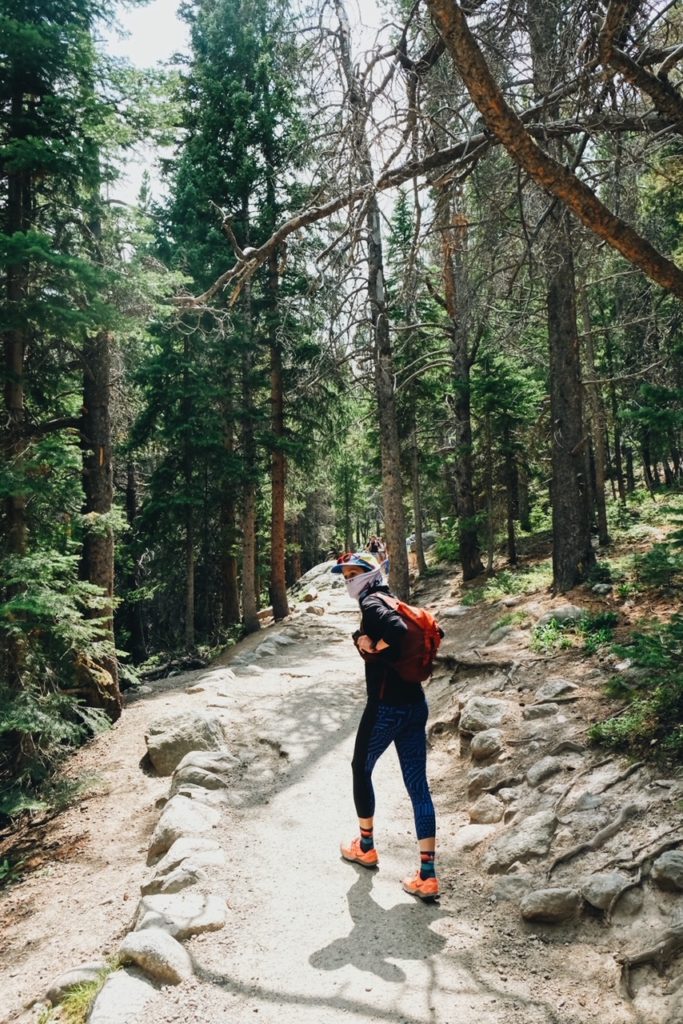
380	622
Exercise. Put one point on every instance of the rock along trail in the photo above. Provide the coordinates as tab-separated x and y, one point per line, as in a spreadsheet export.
556	863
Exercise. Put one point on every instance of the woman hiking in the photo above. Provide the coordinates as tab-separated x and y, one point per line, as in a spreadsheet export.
396	712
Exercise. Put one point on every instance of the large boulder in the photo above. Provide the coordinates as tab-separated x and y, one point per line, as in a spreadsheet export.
170	738
469	836
527	838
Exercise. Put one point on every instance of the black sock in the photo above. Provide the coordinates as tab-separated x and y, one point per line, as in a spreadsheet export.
427	864
366	840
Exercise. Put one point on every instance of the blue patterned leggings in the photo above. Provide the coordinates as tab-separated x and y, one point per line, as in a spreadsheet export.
381	725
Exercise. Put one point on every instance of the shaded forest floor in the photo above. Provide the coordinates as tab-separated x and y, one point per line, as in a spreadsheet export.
309	937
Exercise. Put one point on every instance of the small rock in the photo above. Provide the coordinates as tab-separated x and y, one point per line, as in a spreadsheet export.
469	836
180	817
512	887
543	769
182	877
315	609
527	838
480	779
497	635
667	871
487	810
158	954
486	744
83	975
310	595
564	613
535	711
553	688
550	905
480	713
195	689
210	769
599	890
602	588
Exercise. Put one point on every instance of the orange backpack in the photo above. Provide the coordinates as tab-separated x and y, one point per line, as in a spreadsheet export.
420	643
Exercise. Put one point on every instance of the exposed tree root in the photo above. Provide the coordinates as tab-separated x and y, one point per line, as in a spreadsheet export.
633	883
631	770
661	954
651	855
567	747
580	775
598	839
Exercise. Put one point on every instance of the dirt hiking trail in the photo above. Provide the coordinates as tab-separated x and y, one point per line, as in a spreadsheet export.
310	939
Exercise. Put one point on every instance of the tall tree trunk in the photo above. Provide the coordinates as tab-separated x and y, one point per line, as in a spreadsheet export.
17	219
250	619
132	613
392	484
190	511
523	497
278	469
453	230
417	501
572	551
511	496
597	419
630	474
98	488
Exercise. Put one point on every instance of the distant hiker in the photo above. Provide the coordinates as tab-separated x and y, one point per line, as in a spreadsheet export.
396	712
374	546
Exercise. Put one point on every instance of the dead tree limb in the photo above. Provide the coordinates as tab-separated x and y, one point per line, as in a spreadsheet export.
546	171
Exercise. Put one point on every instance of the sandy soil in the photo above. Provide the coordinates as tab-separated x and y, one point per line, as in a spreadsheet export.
309	937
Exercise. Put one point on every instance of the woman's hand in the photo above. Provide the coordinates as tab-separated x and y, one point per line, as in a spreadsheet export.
367	646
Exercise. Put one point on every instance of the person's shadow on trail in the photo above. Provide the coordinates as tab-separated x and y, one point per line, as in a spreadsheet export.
402	933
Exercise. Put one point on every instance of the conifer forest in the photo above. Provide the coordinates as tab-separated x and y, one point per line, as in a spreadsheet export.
423	282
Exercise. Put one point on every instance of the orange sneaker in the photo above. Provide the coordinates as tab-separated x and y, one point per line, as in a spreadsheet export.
356	855
425	888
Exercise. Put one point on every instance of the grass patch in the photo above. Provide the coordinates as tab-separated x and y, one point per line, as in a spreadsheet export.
596	630
76	1006
511	619
525	580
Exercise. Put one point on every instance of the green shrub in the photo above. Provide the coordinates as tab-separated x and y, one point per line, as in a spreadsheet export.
659	568
652	723
551	636
447	547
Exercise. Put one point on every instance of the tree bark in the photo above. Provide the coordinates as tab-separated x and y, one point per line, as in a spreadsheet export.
417	501
572	551
250	619
597	419
189	511
453	231
98	488
132	613
278	469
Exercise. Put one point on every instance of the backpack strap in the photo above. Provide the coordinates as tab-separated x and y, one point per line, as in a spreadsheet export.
388	599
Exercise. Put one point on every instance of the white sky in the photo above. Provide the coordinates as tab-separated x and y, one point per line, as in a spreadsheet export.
153	33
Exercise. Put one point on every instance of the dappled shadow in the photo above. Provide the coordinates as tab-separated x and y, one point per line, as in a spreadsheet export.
401	933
